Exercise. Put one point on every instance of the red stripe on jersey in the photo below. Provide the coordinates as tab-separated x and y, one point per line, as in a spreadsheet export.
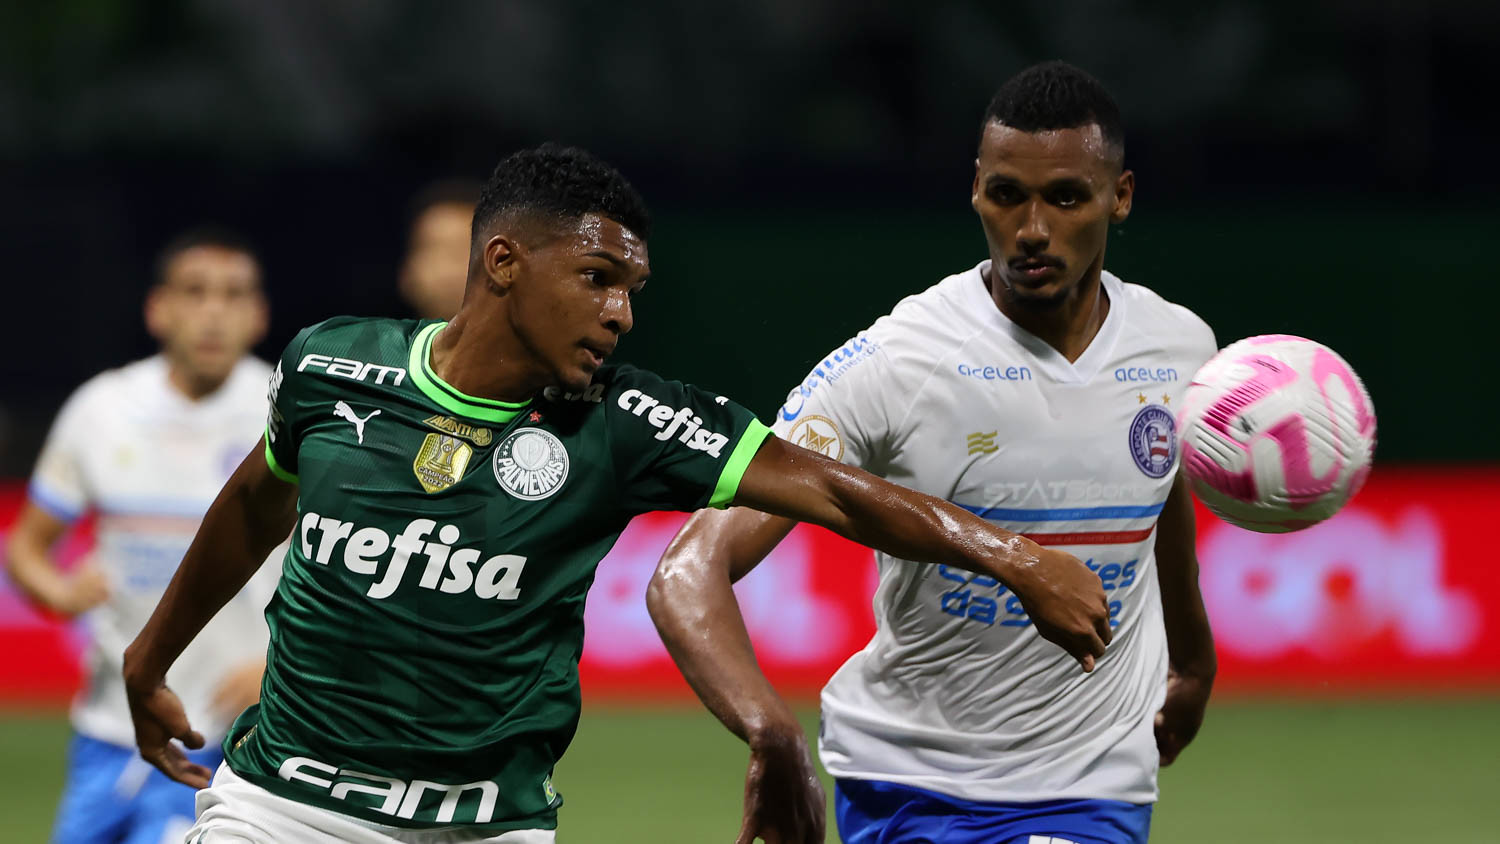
1115	537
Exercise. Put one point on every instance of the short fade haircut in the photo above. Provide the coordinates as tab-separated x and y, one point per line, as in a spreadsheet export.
558	184
1056	95
213	235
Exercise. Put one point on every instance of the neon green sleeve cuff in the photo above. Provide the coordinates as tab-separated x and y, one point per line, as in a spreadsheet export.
276	467
739	461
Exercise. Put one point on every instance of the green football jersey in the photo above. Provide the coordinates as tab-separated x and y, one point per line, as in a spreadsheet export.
425	635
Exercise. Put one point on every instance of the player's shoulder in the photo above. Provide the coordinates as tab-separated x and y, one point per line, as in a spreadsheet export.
127	383
617	385
362	334
940	316
1152	312
375	350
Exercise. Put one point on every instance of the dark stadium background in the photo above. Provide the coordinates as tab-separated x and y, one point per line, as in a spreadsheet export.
1319	168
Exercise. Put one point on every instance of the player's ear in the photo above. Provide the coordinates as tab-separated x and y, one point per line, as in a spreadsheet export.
501	259
1124	196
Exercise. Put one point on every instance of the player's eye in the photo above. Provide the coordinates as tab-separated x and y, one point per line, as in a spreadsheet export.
1066	198
596	276
1005	194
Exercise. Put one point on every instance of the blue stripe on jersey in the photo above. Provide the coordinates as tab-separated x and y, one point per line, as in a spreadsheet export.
1066	514
52	503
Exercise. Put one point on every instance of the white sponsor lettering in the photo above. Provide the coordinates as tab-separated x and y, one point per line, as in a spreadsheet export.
352	369
365	550
398	797
274	417
1073	491
671	420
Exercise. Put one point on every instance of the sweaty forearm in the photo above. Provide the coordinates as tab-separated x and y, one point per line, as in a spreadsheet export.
914	526
692	602
241	527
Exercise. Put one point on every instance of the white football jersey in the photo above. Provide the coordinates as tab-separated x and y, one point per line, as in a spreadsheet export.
148	461
956	692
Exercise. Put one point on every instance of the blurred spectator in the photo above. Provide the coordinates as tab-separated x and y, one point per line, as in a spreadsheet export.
146	448
437	252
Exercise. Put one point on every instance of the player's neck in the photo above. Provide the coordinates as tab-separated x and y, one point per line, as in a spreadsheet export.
483	359
190	386
1067	326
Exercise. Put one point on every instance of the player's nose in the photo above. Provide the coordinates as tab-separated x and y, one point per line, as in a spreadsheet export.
1034	233
618	316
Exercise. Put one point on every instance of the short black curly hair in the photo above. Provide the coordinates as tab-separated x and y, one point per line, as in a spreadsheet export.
209	234
1057	95
560	183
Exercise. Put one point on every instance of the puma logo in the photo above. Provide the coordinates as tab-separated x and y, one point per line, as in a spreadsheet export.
343	411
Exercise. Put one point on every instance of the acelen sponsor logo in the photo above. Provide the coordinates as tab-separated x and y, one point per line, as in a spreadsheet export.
999	372
1145	373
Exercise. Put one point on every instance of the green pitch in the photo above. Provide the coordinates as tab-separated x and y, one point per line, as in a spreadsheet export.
1283	772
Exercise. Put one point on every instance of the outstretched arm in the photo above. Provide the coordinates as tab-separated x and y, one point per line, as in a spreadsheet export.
696	613
1190	642
253	512
1064	599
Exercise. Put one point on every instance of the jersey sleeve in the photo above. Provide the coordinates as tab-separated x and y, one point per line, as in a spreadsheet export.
677	447
59	484
285	415
847	407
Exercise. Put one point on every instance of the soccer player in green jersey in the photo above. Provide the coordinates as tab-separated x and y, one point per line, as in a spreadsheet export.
449	489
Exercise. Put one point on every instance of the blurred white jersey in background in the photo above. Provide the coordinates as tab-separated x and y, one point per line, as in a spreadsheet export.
148	461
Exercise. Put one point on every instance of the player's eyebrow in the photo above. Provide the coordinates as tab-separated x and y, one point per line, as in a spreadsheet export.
1071	182
608	256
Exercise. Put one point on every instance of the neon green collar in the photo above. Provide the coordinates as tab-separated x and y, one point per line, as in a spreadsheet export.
444	394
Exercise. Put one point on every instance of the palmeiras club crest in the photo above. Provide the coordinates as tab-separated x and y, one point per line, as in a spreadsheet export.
1153	440
531	464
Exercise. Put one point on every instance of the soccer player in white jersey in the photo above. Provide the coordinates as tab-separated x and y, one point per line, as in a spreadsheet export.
1037	391
146	448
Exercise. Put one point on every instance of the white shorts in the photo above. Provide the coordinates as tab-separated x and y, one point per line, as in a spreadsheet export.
234	811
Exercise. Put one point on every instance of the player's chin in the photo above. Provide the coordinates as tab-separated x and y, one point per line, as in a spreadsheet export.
576	379
1048	295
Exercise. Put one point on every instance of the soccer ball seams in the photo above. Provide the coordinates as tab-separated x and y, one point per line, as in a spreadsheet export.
1277	433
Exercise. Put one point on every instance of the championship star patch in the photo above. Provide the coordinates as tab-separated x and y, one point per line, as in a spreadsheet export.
441	461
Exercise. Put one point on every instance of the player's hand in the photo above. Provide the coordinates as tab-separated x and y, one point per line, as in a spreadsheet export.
1181	714
79	591
784	802
159	719
239	689
1066	603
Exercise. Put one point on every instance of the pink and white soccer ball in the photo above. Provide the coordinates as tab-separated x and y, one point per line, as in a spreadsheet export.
1277	433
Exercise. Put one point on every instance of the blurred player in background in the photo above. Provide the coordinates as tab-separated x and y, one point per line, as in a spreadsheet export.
437	250
146	447
453	487
1036	391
